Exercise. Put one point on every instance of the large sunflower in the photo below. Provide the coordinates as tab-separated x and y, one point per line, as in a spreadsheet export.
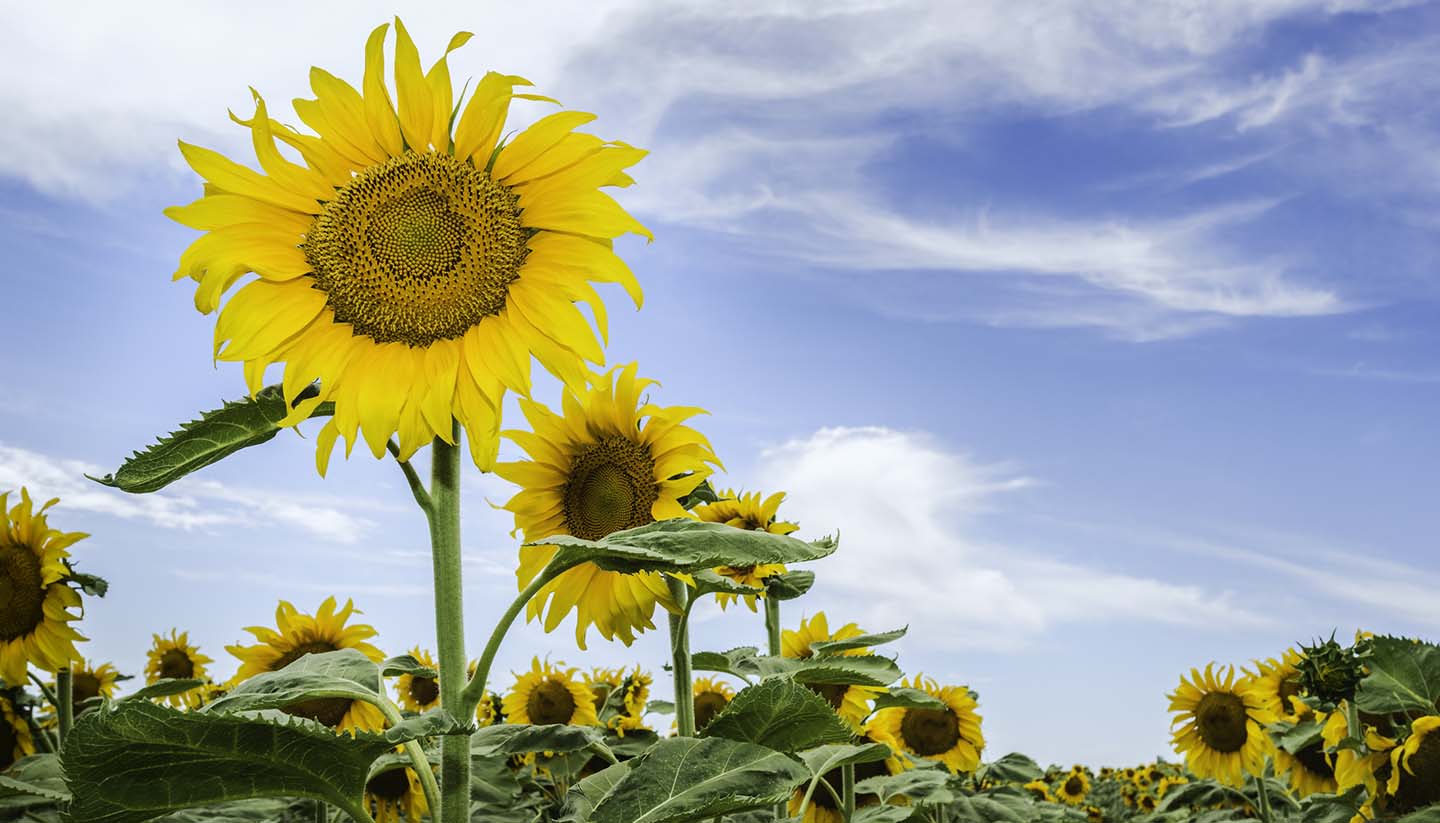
297	634
711	698
950	735
35	597
415	263
550	694
747	511
1221	721
15	739
852	703
1415	767
612	462
174	657
396	796
419	694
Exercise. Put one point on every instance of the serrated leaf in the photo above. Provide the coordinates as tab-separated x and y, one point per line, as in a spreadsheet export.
994	808
406	664
216	435
511	739
790	585
1325	808
1429	814
780	715
346	673
164	688
883	814
859	641
254	810
685	545
1011	768
1404	677
33	780
134	761
688	778
857	670
920	785
583	797
907	698
728	662
1200	794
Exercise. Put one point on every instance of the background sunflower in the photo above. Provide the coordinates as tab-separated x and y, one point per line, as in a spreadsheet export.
35	609
419	694
174	657
549	694
15	738
950	736
712	695
747	511
1221	720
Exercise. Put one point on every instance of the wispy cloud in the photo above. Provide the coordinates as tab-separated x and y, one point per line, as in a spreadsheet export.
191	504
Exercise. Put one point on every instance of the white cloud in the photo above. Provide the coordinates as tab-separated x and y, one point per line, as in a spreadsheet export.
908	511
190	504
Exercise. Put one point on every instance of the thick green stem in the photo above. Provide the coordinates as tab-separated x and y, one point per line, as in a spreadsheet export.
772	635
680	659
65	701
1352	721
444	516
847	777
1265	816
475	689
322	814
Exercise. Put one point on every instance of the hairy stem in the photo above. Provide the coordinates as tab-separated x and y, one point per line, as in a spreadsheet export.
1264	795
444	516
772	635
65	702
847	778
680	656
475	689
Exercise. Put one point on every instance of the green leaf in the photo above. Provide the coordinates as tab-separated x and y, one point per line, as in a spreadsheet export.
1429	814
1010	768
511	739
164	687
996	807
857	670
215	436
254	810
33	781
406	664
89	583
780	715
883	814
906	698
1404	677
1297	737
703	494
583	797
735	662
859	641
687	778
1200	794
790	585
824	758
662	706
116	758
685	545
921	785
493	784
1326	808
708	582
346	673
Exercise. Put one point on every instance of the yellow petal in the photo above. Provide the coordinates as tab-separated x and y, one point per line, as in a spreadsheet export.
237	179
530	144
379	110
416	102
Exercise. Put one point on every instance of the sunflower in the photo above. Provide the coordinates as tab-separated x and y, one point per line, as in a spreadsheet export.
35	597
750	512
1223	734
1352	768
1039	789
396	795
491	710
296	635
1073	788
1310	770
612	462
711	698
419	694
15	739
950	736
852	703
1146	803
823	808
550	694
88	681
1277	682
1094	814
1167	783
412	269
174	658
1415	767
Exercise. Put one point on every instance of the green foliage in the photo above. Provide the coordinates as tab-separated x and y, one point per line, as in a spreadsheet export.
746	663
216	435
822	759
920	785
507	739
1404	677
780	715
859	641
1011	768
345	673
89	583
1326	808
31	782
906	698
584	796
164	688
790	585
406	664
684	545
1297	737
708	582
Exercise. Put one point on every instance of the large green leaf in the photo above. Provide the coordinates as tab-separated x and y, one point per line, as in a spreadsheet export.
790	585
164	687
883	814
345	673
685	545
135	761
688	778
780	715
1404	677
837	670
1010	768
406	664
905	698
511	739
736	662
1297	737
253	810
33	781
215	436
859	641
1429	814
996	807
1326	808
583	797
822	759
922	785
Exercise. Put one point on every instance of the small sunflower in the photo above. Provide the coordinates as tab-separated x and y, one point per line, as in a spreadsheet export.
1146	803
411	268
1094	814
1073	788
1168	782
35	597
1415	767
851	702
88	681
711	698
747	511
396	796
1221	723
612	462
174	658
419	694
950	736
491	710
15	739
549	694
298	634
1039	789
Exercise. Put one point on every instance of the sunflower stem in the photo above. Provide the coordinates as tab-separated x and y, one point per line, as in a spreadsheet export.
65	705
322	814
475	689
1264	795
419	763
417	486
443	514
847	778
772	635
680	657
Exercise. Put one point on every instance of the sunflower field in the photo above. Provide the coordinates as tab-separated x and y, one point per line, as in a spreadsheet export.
404	278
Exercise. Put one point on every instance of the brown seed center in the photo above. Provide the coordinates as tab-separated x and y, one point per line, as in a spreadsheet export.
176	663
611	487
22	592
930	732
424	690
707	705
550	702
1220	719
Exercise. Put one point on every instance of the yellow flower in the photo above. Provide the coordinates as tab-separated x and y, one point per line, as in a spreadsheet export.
612	462
1094	814
1167	783
852	703
1277	686
1310	770
1221	722
711	698
1038	789
1350	767
626	692
491	710
1073	788
750	512
89	681
1415	767
419	694
36	602
173	657
15	739
411	268
298	634
548	695
950	735
396	796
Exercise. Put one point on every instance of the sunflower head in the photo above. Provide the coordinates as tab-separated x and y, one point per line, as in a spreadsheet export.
1073	787
15	738
796	643
414	263
89	681
612	461
1039	789
1329	671
711	698
1221	721
174	658
1415	767
396	796
550	694
950	736
297	634
747	511
491	710
1146	803
35	594
419	694
1094	814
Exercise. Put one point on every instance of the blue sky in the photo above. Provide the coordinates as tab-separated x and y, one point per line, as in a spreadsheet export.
1104	334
